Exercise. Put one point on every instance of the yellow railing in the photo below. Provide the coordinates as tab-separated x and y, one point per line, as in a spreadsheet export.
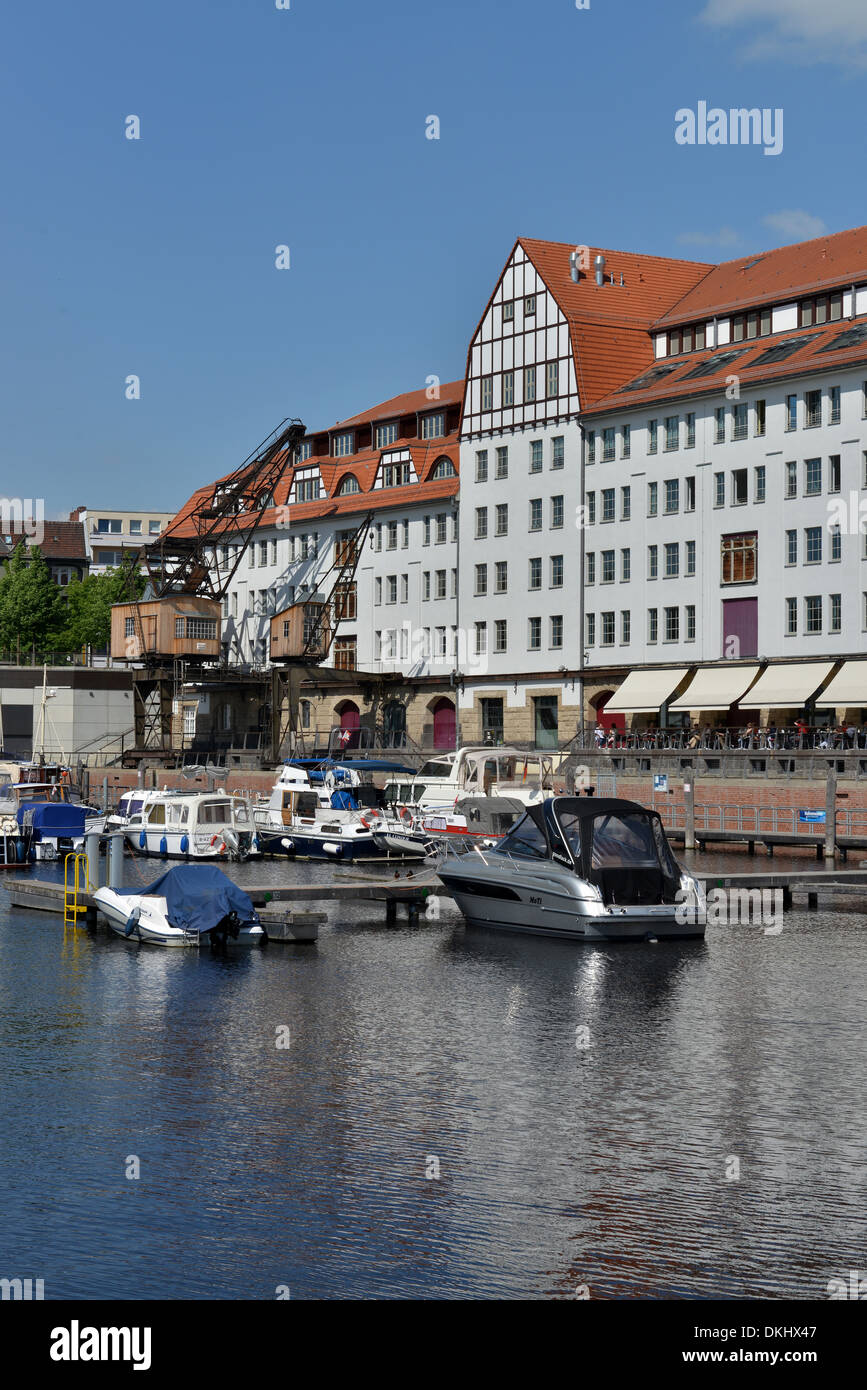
71	905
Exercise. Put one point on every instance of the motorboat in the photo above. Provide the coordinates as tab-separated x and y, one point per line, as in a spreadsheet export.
475	771
52	828
191	825
15	843
340	819
582	868
189	905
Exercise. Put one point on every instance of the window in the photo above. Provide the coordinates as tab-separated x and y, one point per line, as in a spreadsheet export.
608	567
558	451
440	582
425	585
791	412
502	515
812	409
590	622
135	530
791	617
608	504
672	559
502	462
556	571
836	622
196	629
836	543
672	495
740	425
813	545
791	547
626	442
508	388
652	624
812	477
391	536
444	468
625	503
529	385
791	477
487	392
652	498
761	418
720	419
625	565
824	308
834	473
672	624
508	311
348	484
391	587
535	577
652	436
534	634
536	514
129	627
552	379
690	557
385	435
442	519
481	580
607	630
739	558
557	631
304	450
591	446
591	506
672	431
536	456
690	622
607	445
689	500
482	466
307	487
342	444
530	304
690	430
625	626
652	561
740	485
500	635
108	526
425	531
719	489
433	426
813	613
591	567
759	481
481	636
556	512
154	528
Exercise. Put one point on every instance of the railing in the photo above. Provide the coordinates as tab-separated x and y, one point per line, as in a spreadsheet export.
760	820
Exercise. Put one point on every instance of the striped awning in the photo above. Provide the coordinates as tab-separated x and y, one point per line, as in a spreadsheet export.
644	691
787	687
715	687
848	689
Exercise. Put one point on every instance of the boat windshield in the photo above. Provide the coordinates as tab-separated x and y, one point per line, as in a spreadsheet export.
624	841
525	840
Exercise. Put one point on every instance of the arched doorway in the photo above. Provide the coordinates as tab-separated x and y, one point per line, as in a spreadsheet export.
394	724
608	721
350	721
444	725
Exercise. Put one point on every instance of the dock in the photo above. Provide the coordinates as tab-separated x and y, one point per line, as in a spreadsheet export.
771	839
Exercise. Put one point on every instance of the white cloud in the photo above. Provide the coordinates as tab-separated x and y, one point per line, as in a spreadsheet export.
795	225
802	31
725	236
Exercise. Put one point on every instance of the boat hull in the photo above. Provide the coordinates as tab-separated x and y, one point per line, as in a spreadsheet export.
152	927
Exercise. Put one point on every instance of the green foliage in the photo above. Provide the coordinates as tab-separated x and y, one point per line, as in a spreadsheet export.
31	608
88	605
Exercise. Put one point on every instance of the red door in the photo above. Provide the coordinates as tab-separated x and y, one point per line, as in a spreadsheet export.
350	719
609	721
444	725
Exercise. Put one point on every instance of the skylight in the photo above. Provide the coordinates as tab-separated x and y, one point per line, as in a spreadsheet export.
713	364
779	352
657	373
851	338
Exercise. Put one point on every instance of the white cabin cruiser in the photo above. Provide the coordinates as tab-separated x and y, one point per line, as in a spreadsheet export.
484	771
581	868
189	905
339	818
192	825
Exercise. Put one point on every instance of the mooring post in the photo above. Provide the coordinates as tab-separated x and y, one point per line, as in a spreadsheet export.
105	794
115	861
831	813
390	912
91	850
689	811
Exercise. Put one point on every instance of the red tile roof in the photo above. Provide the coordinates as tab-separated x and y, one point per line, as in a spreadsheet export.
778	276
62	540
411	402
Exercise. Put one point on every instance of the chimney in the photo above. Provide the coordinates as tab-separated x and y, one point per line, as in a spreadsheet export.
600	269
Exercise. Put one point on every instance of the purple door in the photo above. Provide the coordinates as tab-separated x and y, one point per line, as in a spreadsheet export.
740	628
444	725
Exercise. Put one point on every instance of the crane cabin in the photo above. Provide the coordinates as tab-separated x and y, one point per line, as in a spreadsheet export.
179	625
303	630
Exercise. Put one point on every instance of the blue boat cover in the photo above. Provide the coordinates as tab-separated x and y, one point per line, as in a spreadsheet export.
53	817
198	897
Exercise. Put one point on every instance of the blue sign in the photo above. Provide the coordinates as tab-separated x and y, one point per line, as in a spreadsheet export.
811	817
660	781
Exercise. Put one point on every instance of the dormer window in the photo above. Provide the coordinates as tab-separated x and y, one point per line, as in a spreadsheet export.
444	468
304	450
347	485
343	444
433	426
306	486
386	434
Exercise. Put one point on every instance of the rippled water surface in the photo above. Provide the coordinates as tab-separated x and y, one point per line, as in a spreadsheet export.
612	1165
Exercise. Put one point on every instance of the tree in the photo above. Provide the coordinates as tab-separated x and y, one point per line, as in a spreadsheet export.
31	611
88	606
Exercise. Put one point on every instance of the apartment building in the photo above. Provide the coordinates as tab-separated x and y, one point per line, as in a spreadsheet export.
113	535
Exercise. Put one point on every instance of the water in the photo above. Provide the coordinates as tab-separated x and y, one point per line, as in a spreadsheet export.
559	1167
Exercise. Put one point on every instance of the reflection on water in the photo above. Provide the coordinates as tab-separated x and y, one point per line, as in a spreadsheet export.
677	1120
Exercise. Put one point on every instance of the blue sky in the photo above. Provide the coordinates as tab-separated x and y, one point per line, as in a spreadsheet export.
306	127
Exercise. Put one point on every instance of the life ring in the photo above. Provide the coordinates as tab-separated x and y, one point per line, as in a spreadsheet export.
369	818
406	815
221	844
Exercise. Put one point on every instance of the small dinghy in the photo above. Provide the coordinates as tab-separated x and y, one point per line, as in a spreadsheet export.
190	905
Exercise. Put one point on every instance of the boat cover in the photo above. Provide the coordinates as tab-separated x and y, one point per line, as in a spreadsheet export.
53	817
198	897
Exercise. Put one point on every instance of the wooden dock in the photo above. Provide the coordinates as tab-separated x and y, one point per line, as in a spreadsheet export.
771	839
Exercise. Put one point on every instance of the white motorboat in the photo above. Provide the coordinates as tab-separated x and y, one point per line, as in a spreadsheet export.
189	905
581	868
484	772
191	825
339	819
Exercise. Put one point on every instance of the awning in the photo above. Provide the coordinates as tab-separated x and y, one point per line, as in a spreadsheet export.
848	689
644	691
715	687
787	687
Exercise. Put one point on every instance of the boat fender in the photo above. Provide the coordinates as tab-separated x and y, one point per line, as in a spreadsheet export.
288	845
164	845
142	840
335	850
132	921
185	844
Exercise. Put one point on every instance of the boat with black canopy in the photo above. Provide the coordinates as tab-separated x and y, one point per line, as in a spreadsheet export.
582	868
